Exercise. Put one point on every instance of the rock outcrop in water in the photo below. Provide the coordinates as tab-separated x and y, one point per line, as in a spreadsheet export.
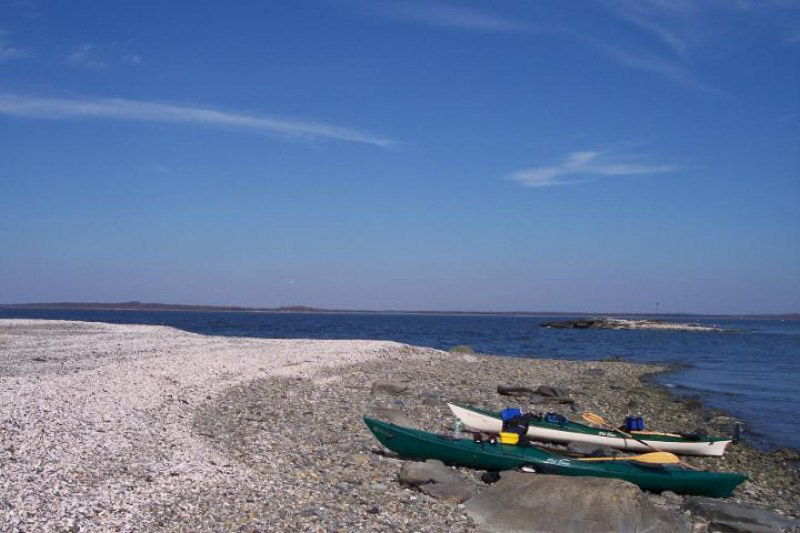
618	323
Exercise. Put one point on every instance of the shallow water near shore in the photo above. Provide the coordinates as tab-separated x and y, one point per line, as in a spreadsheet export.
752	371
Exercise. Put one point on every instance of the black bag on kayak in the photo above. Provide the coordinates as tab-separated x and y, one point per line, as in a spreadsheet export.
518	425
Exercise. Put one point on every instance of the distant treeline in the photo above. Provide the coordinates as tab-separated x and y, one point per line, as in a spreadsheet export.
145	306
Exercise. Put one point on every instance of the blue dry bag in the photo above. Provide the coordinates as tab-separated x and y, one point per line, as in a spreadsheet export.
634	423
555	418
511	412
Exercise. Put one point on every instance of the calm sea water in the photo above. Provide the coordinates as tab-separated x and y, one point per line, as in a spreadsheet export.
753	372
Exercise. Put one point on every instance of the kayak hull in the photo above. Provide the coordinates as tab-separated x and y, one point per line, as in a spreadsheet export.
418	444
481	420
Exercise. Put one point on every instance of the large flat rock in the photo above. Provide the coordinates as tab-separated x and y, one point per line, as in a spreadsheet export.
542	503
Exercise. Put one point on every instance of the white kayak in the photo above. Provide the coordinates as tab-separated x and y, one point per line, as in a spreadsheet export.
565	432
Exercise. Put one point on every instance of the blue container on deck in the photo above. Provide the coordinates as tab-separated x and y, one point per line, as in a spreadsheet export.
634	423
556	418
511	412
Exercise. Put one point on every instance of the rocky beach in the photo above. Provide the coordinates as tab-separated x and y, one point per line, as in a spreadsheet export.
107	427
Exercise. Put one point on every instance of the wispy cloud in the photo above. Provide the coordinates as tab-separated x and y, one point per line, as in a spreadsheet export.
446	16
580	167
99	56
136	110
671	21
655	64
9	52
648	16
684	25
86	56
132	59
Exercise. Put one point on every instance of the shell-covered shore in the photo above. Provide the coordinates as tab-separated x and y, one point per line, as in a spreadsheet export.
134	428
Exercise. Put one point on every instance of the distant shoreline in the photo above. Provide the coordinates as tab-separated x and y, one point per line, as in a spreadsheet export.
145	306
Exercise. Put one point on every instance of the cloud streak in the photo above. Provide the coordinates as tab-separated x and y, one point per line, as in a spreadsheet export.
670	21
654	64
580	167
10	53
143	111
100	56
446	16
86	56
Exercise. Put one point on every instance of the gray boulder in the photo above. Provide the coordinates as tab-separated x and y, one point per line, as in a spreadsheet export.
451	492
554	394
431	398
515	390
542	503
395	416
435	479
522	392
431	471
735	517
390	387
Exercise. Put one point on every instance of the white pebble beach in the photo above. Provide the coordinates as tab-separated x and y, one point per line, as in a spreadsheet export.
76	398
110	427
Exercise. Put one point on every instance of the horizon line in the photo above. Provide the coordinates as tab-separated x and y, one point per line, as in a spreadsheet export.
133	305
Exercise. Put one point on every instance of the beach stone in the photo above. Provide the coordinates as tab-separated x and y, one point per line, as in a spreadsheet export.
456	492
672	497
543	503
359	459
490	476
395	416
515	390
554	394
390	387
431	398
738	517
536	398
431	471
435	479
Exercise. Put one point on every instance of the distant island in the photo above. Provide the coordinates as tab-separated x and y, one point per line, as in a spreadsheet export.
616	323
148	306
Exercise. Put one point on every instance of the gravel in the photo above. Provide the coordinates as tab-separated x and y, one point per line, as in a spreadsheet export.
130	428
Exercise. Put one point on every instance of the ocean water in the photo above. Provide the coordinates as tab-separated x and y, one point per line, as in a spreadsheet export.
752	371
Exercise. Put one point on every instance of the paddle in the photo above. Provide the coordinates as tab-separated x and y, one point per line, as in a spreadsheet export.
651	457
600	421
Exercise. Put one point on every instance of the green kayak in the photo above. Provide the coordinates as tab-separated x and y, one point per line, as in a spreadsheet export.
418	444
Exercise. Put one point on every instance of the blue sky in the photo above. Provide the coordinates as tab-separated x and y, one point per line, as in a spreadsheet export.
513	155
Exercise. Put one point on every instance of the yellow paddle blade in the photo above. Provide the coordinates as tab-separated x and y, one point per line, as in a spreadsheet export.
595	419
664	458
